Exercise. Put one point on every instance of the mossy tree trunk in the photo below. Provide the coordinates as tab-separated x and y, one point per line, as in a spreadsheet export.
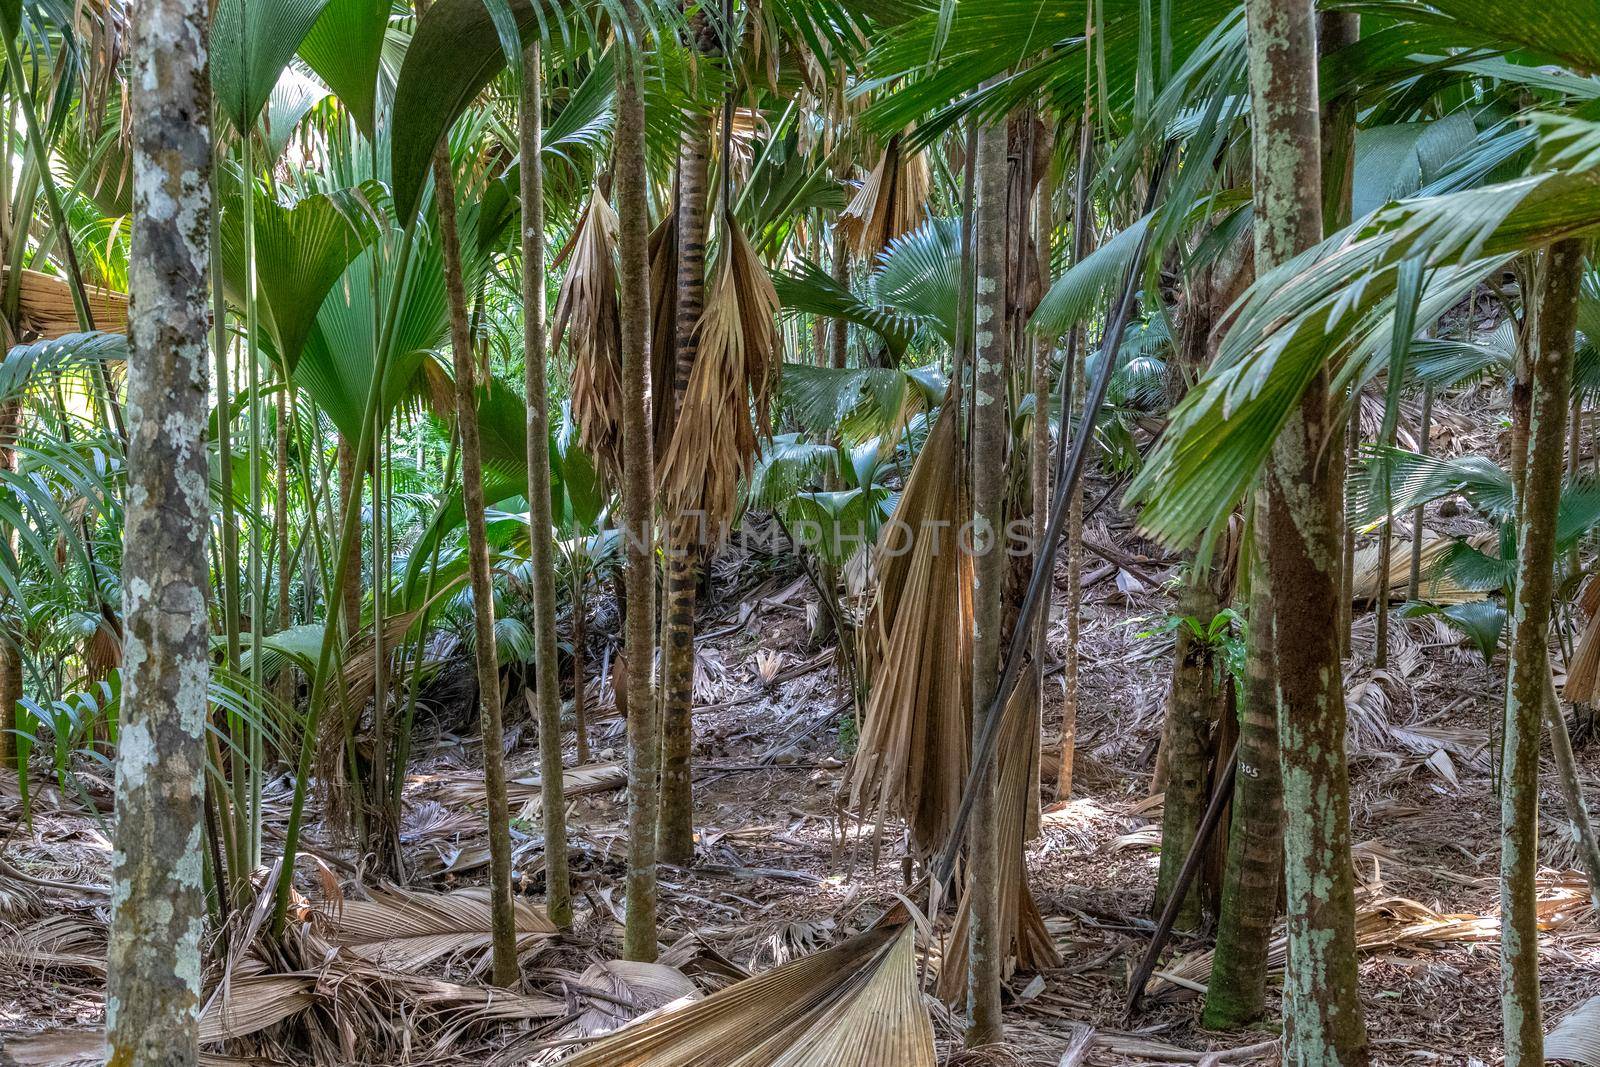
502	914
10	611
1323	1021
558	883
638	492
988	434
157	894
1551	381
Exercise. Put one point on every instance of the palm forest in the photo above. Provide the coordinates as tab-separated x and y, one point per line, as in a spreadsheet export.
800	533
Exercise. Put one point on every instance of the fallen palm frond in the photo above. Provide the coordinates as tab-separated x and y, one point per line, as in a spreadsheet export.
466	787
587	315
1026	944
1376	730
713	442
627	990
1399	924
891	202
854	1005
1583	672
1434	587
912	757
45	306
1576	1038
409	930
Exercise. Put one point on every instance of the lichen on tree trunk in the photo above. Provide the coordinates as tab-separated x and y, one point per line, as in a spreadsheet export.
989	483
1550	379
157	901
1323	1022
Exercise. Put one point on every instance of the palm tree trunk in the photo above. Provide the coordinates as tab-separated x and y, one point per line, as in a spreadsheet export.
502	916
1323	1021
1237	992
10	615
1186	742
541	523
675	825
349	486
638	490
988	443
158	903
1551	378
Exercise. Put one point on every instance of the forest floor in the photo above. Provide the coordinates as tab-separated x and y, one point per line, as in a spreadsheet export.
780	872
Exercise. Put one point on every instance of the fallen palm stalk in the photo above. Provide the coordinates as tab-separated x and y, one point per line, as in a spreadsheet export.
408	930
856	1004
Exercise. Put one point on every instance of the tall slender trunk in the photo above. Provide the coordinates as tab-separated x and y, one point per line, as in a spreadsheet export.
157	900
1238	988
1336	30
1551	379
1082	227
988	444
541	524
1323	1021
675	824
638	487
1039	452
10	612
503	922
349	486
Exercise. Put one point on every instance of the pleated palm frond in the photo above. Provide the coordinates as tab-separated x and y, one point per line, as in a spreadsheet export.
1333	307
892	201
714	442
1026	944
1414	480
409	929
587	315
913	755
856	1004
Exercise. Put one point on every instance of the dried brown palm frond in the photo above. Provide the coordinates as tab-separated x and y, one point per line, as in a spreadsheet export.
912	757
626	990
408	930
854	1005
586	314
1028	946
466	787
45	306
1583	672
714	442
1398	924
892	201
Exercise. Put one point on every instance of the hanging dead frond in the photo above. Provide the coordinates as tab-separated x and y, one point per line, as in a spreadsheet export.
713	444
912	757
892	201
587	315
1026	944
854	1005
